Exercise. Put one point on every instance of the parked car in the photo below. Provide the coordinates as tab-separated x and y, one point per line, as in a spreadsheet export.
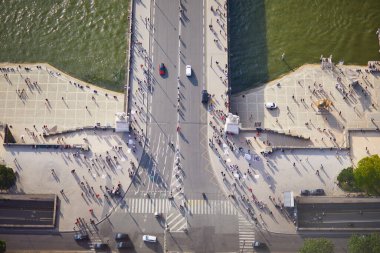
149	238
205	97
162	69
81	237
317	192
188	70
123	245
270	105
121	236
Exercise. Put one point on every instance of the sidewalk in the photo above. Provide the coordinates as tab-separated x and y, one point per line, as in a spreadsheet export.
139	81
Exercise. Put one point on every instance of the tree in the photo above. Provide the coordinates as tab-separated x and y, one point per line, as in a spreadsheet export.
3	246
319	245
364	243
367	174
346	180
7	177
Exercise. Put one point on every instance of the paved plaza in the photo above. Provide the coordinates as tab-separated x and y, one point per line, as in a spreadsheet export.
37	95
83	176
33	96
296	95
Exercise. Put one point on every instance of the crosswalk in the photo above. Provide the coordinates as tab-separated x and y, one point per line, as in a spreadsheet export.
193	206
176	221
246	234
200	206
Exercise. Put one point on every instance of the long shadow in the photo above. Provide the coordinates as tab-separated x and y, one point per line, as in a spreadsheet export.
247	67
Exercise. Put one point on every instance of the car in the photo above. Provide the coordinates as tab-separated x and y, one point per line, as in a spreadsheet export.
157	214
257	244
188	70
121	236
162	69
317	192
305	192
123	245
270	105
81	237
100	245
205	97
149	238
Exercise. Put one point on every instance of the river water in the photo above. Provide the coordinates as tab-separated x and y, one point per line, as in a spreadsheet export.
262	30
88	38
85	38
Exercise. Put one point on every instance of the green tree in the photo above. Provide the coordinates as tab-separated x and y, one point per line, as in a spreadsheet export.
364	243
3	246
346	180
319	245
7	177
367	174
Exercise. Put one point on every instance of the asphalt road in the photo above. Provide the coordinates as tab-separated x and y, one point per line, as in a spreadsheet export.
292	243
339	215
177	41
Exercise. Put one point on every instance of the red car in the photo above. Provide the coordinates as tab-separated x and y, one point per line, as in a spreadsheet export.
162	69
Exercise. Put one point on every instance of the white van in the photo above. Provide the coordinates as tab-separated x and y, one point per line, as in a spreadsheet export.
188	70
149	238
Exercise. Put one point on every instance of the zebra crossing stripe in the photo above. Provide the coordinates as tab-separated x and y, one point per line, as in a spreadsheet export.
133	203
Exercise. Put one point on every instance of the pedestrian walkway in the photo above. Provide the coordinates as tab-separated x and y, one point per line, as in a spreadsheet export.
176	221
33	96
192	206
246	234
145	205
211	207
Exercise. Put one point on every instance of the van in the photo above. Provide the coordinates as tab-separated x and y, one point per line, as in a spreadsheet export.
149	238
188	70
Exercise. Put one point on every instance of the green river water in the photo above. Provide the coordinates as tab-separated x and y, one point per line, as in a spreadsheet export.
262	30
88	38
84	38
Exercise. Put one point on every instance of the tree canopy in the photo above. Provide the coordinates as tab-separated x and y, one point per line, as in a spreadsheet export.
7	177
319	245
364	243
3	246
367	174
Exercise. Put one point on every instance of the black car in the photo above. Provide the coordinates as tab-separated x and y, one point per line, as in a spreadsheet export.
123	245
121	236
305	192
317	192
205	97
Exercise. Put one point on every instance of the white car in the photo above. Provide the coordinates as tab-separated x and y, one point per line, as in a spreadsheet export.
149	238
188	70
270	105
